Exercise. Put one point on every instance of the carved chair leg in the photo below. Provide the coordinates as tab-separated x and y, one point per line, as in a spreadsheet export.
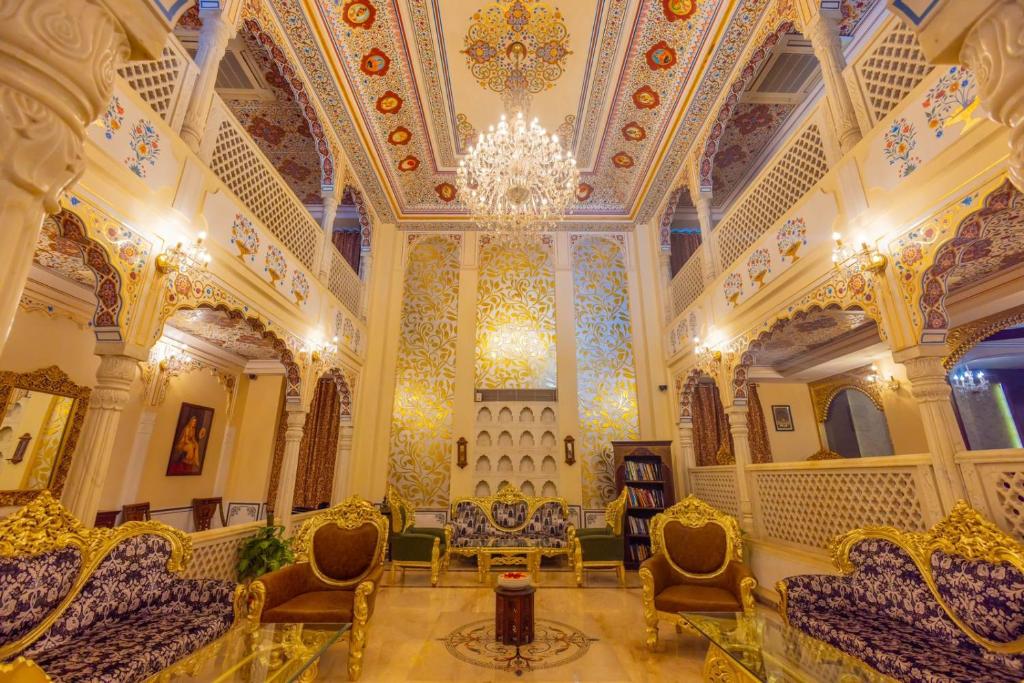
435	562
621	572
650	612
357	636
577	555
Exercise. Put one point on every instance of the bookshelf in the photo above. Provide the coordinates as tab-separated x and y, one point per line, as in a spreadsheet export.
644	469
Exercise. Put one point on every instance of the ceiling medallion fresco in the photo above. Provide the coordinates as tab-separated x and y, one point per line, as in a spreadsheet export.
517	47
656	65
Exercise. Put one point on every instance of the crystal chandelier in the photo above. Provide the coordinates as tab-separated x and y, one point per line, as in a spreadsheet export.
517	181
184	257
968	381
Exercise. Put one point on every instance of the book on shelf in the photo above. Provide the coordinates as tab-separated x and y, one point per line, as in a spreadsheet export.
643	471
645	498
638	525
639	552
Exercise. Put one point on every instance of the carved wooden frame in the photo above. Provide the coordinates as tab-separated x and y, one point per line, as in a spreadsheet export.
53	381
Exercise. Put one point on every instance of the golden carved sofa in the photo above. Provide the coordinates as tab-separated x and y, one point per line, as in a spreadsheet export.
603	548
510	519
339	563
696	566
104	604
413	546
941	605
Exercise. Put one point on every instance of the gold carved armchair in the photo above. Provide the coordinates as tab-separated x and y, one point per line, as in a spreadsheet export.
413	546
339	563
603	548
696	566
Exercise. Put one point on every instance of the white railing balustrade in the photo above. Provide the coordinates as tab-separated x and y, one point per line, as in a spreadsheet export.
344	283
215	552
995	485
166	83
687	284
810	503
716	485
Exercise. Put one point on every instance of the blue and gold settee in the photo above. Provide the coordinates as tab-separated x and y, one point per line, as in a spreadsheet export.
513	520
80	604
936	606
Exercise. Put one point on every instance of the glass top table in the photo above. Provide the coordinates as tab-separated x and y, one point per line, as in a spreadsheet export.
762	648
268	653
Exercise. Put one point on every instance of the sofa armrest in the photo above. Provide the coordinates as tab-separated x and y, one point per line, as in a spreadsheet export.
373	579
809	592
660	571
742	585
278	587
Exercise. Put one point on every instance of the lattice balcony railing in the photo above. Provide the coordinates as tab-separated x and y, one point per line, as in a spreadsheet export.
885	72
215	552
716	486
995	485
687	284
344	282
166	83
809	504
791	173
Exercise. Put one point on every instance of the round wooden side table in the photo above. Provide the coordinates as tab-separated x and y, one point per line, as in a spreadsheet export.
513	615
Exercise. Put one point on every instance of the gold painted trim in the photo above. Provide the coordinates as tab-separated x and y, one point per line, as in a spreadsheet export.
965	533
51	380
824	391
824	454
614	513
23	670
694	513
783	591
405	508
510	495
965	337
351	513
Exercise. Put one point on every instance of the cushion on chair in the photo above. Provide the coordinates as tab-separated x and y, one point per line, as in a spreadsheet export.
603	548
429	530
333	606
133	649
344	554
907	653
594	531
32	587
988	597
694	598
699	550
411	547
509	515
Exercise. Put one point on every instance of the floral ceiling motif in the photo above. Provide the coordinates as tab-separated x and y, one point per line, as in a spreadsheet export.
632	77
233	335
806	332
279	127
749	131
61	256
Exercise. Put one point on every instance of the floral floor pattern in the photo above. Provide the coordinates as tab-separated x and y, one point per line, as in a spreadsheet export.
554	644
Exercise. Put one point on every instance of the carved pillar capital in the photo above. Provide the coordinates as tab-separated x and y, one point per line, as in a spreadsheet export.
822	29
994	51
214	36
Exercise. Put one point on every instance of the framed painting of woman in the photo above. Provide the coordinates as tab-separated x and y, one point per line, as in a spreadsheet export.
191	436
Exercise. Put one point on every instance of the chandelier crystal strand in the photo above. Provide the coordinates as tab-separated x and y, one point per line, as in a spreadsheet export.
517	181
968	381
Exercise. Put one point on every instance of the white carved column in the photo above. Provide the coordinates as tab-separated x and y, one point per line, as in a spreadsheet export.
822	29
91	461
341	461
934	397
330	202
137	458
57	65
689	460
994	51
218	28
365	264
741	450
710	267
296	424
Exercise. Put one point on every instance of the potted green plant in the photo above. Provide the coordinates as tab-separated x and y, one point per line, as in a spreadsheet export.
265	552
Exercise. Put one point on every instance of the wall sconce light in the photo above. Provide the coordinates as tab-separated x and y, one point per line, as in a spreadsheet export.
706	351
875	377
461	457
570	450
322	349
868	257
182	257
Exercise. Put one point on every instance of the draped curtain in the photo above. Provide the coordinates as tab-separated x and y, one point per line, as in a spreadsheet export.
710	424
683	245
349	245
314	476
757	430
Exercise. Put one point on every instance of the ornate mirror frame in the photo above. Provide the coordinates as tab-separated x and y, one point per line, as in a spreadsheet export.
51	380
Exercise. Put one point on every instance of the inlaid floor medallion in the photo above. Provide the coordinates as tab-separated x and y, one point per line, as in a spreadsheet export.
554	644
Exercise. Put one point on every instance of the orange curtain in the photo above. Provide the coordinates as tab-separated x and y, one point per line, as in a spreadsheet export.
757	430
710	423
314	476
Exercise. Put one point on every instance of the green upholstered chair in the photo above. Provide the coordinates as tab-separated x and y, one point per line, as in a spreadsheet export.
603	547
413	546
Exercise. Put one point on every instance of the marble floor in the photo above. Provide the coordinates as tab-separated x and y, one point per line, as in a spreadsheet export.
410	628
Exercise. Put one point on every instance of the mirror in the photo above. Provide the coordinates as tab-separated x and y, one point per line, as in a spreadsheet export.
856	426
41	415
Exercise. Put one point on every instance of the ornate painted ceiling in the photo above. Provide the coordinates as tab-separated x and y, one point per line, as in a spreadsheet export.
61	256
808	332
234	335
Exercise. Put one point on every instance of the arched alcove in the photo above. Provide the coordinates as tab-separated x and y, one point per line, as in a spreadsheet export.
856	426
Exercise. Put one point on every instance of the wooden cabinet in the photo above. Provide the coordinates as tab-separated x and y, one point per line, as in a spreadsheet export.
644	469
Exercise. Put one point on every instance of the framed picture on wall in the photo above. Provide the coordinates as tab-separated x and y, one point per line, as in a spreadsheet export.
783	417
241	513
191	436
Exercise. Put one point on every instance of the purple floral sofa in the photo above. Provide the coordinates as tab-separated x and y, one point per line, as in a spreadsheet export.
510	519
941	606
104	605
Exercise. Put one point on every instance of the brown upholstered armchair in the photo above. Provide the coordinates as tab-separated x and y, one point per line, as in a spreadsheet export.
339	563
696	566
